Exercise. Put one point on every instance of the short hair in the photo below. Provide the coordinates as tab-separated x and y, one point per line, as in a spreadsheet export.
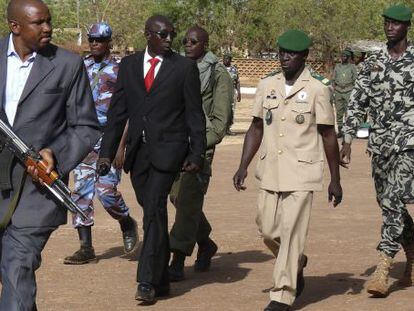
203	33
157	18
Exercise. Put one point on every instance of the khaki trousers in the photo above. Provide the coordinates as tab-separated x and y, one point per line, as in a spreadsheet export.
283	221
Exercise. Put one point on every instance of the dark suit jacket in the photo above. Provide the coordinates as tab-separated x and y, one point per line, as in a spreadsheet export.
55	111
170	114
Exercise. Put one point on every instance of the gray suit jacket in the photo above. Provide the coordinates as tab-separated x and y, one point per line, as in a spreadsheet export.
56	111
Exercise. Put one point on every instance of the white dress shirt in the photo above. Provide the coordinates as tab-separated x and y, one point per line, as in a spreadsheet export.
147	64
17	74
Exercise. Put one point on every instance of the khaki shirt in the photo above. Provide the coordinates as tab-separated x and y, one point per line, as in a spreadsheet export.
292	153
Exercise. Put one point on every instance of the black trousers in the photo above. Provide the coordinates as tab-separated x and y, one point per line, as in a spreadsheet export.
20	258
152	187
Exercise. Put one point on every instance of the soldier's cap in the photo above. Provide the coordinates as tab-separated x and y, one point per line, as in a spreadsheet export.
100	30
357	53
294	40
398	12
347	53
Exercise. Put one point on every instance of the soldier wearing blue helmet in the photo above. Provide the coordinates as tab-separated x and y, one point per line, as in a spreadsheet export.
102	71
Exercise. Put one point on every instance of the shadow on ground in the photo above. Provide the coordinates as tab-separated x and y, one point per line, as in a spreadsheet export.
225	268
118	251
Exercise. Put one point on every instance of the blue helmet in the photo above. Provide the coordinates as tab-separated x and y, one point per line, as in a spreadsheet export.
100	30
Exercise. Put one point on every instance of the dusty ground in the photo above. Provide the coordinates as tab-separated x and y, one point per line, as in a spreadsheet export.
341	250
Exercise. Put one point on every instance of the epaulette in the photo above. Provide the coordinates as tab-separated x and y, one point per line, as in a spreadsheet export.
273	73
319	77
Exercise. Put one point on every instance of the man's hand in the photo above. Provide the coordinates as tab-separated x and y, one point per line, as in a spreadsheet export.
118	162
335	191
103	166
238	97
238	179
190	167
48	159
345	155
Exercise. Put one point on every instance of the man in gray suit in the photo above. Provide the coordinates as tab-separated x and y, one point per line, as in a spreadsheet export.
46	99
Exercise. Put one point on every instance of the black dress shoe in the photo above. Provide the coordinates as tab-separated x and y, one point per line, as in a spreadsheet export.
85	254
145	292
277	306
130	236
176	268
205	252
300	283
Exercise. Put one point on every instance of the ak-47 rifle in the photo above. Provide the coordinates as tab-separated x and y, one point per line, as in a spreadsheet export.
30	157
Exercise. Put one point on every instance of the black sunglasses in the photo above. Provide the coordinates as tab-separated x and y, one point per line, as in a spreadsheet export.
163	34
191	40
98	40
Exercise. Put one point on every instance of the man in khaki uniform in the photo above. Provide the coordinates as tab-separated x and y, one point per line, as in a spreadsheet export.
293	122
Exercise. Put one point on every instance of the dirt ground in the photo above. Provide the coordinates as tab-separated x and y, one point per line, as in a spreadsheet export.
341	250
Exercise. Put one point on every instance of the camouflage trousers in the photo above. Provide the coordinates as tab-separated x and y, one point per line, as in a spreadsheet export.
88	183
394	184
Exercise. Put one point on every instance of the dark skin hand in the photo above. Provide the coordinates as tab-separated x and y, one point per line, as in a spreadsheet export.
47	155
190	167
103	165
118	162
330	145
251	144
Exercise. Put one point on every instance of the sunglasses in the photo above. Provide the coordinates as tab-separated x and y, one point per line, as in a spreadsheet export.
98	40
191	40
163	34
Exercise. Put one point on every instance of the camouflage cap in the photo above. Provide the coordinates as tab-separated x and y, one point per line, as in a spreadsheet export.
294	40
398	12
100	30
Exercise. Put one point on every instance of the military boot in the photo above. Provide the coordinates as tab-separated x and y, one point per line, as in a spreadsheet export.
86	253
407	279
378	285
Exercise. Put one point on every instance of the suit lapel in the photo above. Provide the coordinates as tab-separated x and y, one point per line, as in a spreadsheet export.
42	66
167	66
3	67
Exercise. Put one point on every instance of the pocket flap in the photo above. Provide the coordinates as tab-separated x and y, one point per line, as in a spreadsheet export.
309	156
301	107
270	104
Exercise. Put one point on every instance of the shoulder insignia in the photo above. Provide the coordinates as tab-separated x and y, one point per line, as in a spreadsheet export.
319	77
273	73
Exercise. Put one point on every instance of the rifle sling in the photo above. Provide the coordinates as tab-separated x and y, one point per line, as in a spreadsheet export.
13	204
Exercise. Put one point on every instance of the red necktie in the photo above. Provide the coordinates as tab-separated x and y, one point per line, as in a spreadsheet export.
149	78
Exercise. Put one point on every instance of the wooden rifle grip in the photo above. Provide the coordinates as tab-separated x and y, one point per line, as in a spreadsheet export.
41	168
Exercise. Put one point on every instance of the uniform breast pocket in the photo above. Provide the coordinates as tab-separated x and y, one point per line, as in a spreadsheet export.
301	113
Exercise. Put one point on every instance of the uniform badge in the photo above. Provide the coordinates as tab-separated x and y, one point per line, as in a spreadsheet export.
300	119
268	117
272	95
302	96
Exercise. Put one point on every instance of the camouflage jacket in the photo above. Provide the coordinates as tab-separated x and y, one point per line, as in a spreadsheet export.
385	90
102	86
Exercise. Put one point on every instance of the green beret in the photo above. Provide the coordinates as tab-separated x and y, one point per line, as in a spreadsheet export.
399	13
294	40
346	53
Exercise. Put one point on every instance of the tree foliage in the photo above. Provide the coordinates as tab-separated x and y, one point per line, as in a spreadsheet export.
241	26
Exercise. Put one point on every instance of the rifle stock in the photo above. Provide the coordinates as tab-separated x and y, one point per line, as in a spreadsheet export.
29	157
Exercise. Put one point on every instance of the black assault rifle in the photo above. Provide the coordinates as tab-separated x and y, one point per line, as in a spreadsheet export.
29	157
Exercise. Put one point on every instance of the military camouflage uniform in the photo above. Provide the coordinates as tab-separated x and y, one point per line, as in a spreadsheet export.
385	89
102	78
343	78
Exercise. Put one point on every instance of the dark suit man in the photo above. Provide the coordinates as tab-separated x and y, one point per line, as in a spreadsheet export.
166	134
46	99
